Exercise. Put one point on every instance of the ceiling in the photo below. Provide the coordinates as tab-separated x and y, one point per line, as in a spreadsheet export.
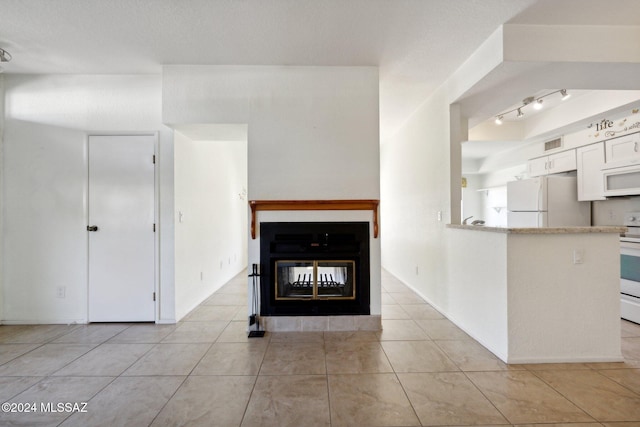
417	44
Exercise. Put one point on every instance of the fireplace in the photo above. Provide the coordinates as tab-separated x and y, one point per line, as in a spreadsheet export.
314	268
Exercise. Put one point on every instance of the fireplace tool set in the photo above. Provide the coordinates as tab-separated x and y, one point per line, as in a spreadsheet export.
255	317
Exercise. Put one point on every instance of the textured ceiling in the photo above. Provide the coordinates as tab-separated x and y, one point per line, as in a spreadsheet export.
417	44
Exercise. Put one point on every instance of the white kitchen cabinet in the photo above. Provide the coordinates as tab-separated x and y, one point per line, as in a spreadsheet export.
623	151
554	163
538	167
590	160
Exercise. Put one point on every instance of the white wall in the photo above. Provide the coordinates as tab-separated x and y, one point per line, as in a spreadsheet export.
47	118
313	132
476	294
211	217
560	311
1	192
414	187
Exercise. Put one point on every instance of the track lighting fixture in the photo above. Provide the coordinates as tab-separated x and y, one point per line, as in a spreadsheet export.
536	101
4	56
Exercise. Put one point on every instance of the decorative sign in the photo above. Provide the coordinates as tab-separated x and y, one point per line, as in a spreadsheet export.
604	124
611	128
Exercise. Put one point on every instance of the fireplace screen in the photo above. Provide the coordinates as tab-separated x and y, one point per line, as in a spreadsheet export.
315	280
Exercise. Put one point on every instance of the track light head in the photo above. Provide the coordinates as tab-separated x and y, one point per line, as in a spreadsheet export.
538	105
520	113
564	94
4	56
499	120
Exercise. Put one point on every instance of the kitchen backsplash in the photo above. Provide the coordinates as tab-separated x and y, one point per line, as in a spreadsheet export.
611	211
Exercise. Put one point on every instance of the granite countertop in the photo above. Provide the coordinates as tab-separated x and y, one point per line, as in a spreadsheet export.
541	230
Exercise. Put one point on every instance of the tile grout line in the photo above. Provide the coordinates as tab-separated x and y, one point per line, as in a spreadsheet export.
113	378
255	382
599	372
485	396
326	378
584	411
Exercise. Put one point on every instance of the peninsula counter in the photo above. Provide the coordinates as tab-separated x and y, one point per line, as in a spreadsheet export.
537	295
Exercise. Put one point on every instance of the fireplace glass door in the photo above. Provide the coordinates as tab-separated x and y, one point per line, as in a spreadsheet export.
315	280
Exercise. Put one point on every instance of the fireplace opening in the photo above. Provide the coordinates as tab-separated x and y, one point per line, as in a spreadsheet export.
315	279
319	268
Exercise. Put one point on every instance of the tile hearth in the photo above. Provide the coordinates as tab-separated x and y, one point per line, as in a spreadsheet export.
419	370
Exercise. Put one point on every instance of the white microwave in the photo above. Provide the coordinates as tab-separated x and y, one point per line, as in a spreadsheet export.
622	181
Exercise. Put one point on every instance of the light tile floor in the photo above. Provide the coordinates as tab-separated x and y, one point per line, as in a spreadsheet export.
205	371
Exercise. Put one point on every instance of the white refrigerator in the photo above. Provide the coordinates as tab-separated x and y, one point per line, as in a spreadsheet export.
546	201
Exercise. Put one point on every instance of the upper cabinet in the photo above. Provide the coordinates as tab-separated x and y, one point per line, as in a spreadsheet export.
590	161
623	151
554	163
538	166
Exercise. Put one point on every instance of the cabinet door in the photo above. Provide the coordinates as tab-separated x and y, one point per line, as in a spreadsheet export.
538	167
562	162
623	151
590	161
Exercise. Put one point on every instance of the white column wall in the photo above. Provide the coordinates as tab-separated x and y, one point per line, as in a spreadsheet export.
47	118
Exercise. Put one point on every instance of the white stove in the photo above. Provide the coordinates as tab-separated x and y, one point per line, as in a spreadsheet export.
630	268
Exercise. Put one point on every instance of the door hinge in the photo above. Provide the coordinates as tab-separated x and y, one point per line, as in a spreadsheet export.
154	228
154	159
154	296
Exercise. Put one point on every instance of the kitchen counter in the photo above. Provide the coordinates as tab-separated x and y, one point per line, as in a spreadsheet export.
537	295
540	230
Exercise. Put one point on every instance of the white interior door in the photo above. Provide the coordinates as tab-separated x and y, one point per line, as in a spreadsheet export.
121	228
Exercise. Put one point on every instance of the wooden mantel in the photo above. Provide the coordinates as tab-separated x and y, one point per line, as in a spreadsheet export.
314	205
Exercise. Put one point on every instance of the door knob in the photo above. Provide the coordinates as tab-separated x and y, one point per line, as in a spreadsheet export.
92	228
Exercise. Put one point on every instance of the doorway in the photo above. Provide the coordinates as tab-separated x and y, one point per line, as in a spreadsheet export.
121	228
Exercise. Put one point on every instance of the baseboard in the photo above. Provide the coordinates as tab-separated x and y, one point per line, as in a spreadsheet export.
45	322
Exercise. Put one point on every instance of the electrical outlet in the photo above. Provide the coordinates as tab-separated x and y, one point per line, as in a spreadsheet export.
439	215
61	291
